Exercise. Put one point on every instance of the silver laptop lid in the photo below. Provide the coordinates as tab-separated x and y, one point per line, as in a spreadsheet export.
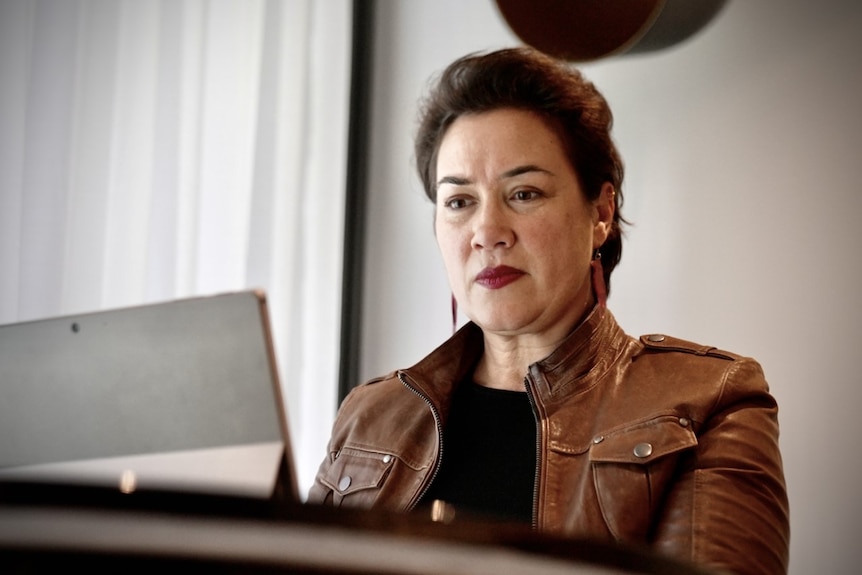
176	395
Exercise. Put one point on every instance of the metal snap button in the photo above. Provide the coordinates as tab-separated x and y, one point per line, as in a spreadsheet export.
683	421
344	483
655	337
642	450
387	458
598	439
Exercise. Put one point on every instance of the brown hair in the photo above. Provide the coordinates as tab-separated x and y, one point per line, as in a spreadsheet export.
526	79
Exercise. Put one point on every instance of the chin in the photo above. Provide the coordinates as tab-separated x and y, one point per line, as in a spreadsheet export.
501	325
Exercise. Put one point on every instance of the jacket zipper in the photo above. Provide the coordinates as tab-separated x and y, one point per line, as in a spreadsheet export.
439	426
538	454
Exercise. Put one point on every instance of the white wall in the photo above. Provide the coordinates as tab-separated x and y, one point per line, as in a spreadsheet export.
742	147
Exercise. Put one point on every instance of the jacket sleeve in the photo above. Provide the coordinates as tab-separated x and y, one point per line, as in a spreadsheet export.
729	508
321	491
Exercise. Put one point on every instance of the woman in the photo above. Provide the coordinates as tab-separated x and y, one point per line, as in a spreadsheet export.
541	409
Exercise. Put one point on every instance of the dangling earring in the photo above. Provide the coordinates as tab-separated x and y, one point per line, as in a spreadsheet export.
454	314
599	287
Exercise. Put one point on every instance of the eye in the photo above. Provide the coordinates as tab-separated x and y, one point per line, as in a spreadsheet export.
456	203
526	195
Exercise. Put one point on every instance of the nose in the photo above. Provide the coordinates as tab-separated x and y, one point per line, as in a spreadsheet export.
492	228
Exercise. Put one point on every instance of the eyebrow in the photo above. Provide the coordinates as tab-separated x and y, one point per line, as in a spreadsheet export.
458	181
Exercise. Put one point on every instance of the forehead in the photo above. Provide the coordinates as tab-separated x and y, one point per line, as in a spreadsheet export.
500	136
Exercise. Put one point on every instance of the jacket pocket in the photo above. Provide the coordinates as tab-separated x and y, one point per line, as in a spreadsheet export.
356	475
632	469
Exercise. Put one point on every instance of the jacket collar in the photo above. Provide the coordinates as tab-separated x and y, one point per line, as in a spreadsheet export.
439	372
581	359
574	366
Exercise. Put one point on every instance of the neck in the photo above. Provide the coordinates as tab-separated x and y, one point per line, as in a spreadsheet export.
505	361
507	358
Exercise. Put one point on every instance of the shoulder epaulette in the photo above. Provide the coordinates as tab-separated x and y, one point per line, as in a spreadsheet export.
661	342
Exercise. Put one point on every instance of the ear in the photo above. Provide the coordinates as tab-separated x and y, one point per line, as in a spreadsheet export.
604	208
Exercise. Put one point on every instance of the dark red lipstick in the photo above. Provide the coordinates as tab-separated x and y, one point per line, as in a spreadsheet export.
498	277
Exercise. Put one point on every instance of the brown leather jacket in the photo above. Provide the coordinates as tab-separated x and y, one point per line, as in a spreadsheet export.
654	441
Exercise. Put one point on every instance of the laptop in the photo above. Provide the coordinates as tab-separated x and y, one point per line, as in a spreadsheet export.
181	395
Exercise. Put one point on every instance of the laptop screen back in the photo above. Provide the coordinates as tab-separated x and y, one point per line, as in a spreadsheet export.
175	395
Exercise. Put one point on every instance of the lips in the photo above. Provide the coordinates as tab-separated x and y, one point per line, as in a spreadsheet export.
498	277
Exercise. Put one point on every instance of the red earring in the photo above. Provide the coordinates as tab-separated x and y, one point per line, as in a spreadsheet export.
454	314
599	287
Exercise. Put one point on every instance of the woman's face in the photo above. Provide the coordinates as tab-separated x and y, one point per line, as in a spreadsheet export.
514	227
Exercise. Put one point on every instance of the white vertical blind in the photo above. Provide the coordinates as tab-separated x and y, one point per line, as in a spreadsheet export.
162	149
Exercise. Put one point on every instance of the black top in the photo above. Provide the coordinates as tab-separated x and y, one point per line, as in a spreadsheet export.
489	454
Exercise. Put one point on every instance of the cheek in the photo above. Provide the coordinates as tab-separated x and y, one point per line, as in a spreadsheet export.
565	248
451	246
546	236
